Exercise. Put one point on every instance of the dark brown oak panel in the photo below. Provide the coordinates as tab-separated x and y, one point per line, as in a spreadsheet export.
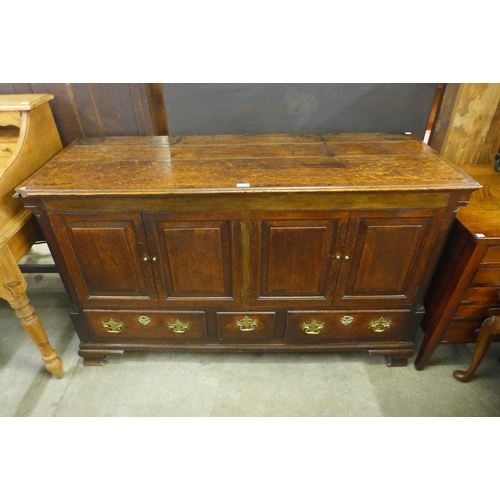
108	257
345	326
295	256
153	326
382	257
195	258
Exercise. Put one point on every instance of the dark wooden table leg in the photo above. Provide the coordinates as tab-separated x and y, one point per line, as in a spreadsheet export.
489	328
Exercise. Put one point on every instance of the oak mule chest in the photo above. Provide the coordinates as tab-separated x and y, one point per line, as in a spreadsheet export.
248	243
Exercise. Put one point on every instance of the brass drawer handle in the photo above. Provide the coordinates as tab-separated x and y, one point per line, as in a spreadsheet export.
380	325
246	324
346	320
178	326
313	328
113	326
144	320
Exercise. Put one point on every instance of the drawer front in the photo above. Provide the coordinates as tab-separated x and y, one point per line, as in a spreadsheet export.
245	327
150	325
346	326
488	276
473	311
482	294
462	331
492	256
7	146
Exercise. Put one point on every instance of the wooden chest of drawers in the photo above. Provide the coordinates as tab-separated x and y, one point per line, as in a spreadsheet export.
467	282
267	243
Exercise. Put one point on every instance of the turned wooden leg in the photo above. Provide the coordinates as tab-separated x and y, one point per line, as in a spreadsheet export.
13	290
489	328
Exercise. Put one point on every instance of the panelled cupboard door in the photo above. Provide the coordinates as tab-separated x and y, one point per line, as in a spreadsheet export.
196	258
108	259
294	257
384	257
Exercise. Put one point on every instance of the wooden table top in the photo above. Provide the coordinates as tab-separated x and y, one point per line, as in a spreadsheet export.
23	102
252	163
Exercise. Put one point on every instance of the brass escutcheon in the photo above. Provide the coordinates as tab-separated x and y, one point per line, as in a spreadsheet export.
346	320
144	320
178	326
313	328
246	324
113	326
380	325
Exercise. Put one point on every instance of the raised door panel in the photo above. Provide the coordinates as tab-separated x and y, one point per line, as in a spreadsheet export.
107	259
384	258
196	258
293	257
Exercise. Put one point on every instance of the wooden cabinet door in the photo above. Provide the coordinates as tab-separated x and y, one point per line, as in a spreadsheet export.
196	258
293	257
385	257
107	257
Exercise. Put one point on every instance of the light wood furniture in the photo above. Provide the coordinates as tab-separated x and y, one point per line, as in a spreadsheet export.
261	243
28	139
466	285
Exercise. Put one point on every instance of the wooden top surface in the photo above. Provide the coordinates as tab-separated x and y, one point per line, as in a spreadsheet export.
23	102
482	214
249	163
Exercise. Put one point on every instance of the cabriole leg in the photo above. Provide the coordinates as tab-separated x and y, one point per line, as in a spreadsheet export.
489	328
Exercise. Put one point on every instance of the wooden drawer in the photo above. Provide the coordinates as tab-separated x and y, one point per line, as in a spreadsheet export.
482	294
245	327
488	276
473	311
150	325
492	256
346	326
462	331
8	143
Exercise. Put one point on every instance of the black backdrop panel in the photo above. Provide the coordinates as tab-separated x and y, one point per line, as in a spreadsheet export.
260	108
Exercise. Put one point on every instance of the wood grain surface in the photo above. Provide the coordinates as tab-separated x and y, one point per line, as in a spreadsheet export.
208	164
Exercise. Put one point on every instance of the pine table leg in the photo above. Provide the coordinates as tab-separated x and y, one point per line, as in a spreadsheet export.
13	289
